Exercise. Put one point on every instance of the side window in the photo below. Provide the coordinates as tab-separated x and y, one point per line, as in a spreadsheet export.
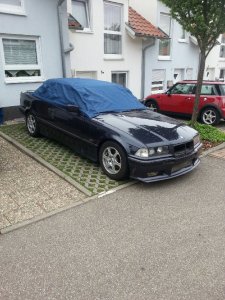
80	11
182	88
208	90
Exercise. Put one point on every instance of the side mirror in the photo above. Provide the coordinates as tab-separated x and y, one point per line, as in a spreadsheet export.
72	108
168	93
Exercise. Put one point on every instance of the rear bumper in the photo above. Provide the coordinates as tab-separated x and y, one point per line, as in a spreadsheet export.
163	168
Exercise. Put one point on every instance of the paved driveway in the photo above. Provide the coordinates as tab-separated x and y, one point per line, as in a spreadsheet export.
157	241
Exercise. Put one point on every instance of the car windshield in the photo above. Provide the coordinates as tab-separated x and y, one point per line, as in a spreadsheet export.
93	97
222	87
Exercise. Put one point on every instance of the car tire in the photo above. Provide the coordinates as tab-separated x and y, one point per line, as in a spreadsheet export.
32	125
113	161
210	116
151	104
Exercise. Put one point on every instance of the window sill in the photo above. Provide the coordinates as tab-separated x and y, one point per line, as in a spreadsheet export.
165	58
24	80
185	41
13	12
113	57
86	31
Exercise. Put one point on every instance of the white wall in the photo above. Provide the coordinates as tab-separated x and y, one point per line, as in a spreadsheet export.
146	8
88	54
214	63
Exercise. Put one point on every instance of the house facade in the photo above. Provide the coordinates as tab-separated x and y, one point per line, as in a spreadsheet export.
112	41
166	60
31	48
132	42
215	63
103	49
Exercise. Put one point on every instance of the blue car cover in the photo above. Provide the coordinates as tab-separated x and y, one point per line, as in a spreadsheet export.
93	97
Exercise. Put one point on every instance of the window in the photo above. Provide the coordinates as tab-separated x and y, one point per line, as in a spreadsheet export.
158	81
86	74
222	74
12	7
165	44
183	88
222	46
208	90
183	35
21	59
80	11
120	78
112	29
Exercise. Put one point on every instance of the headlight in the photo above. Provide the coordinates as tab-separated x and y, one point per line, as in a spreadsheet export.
156	151
143	152
196	140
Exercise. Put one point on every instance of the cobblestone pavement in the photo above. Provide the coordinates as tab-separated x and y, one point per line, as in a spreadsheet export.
219	153
28	190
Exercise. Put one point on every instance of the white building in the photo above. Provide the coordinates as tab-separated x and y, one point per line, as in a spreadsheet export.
215	63
109	47
167	60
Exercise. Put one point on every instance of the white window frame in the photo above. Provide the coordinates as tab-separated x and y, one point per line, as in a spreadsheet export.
121	72
183	39
115	56
87	8
22	67
12	9
165	57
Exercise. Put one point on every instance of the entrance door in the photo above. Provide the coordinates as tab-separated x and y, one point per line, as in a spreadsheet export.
178	75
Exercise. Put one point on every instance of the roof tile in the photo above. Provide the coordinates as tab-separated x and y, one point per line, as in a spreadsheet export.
142	27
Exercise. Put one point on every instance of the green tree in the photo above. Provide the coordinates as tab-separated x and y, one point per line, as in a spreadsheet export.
204	20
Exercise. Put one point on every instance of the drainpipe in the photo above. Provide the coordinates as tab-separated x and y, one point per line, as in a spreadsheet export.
60	2
144	49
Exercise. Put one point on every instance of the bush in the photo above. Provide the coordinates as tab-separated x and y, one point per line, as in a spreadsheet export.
209	133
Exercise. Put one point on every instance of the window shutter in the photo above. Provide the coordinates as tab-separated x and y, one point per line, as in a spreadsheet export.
20	52
158	75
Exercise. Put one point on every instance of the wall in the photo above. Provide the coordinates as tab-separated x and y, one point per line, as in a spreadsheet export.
88	54
184	55
214	63
41	20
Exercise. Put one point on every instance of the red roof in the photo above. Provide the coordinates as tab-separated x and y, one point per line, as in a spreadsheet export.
142	27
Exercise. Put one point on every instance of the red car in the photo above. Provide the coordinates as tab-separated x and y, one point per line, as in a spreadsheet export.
179	100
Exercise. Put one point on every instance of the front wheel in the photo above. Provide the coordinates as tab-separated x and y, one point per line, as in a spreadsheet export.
113	161
152	105
32	125
210	116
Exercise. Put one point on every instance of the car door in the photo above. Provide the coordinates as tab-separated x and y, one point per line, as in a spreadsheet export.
179	99
76	130
208	95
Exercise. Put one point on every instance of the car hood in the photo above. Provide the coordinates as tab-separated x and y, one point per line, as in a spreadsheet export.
148	127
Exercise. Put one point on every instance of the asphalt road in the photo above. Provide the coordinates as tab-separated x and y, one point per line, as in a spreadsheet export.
158	241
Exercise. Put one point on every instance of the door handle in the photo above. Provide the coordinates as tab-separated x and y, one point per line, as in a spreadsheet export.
188	98
205	98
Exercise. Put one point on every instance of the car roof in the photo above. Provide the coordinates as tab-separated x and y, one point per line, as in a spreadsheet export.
204	81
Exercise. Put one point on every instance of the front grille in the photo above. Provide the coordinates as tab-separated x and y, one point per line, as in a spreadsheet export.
183	149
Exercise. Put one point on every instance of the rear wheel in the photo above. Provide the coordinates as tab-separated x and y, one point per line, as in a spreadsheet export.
210	116
32	125
113	161
151	104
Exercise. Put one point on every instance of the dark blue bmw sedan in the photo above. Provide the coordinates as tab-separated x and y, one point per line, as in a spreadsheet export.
104	122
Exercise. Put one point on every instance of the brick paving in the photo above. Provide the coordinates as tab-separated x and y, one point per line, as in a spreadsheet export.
219	153
28	190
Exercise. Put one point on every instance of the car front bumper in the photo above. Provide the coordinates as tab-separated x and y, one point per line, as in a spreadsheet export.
163	168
